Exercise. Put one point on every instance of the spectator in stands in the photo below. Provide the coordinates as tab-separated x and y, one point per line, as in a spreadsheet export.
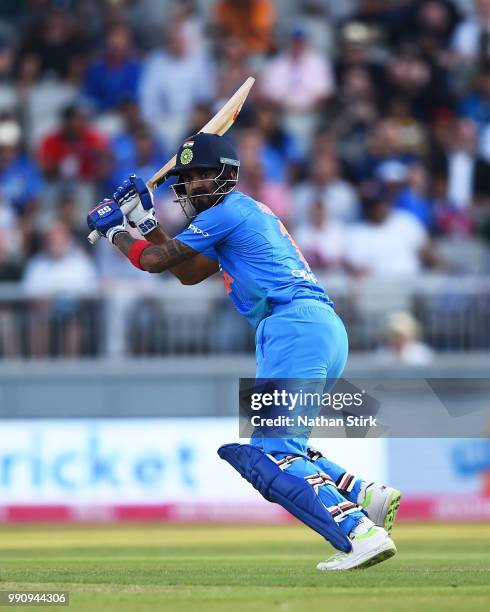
186	13
355	113
122	143
11	261
450	220
378	12
274	193
55	278
468	175
476	104
9	223
72	151
252	148
281	148
423	86
415	199
422	41
392	175
234	66
322	240
314	16
65	208
20	178
357	49
175	79
114	75
471	39
251	21
6	61
337	12
402	341
201	114
432	24
325	143
325	184
61	267
388	143
391	243
299	79
55	47
144	159
431	27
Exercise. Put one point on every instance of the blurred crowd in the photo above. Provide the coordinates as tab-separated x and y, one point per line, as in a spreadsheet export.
367	132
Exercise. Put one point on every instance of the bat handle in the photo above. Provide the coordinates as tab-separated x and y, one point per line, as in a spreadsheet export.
95	235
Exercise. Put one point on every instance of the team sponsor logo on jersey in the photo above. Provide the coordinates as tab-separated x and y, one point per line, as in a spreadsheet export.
198	230
304	274
186	156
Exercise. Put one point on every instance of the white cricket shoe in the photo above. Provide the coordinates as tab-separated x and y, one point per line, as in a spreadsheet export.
370	545
381	504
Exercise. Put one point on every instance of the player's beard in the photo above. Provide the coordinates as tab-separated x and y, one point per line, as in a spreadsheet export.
203	201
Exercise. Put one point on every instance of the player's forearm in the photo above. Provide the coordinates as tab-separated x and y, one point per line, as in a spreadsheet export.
158	236
155	258
187	271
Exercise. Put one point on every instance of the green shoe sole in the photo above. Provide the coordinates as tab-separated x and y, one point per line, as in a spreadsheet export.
393	506
381	556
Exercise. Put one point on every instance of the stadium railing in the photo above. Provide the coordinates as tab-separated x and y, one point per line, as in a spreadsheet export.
149	319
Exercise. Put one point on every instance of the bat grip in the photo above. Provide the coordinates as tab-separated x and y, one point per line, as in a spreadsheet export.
95	235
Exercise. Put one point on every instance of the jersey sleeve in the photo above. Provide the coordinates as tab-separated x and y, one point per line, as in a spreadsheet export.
210	252
211	228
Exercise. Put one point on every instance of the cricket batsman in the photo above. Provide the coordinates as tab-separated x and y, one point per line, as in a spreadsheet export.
298	335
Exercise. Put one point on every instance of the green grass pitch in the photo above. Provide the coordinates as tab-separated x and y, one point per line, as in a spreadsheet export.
249	568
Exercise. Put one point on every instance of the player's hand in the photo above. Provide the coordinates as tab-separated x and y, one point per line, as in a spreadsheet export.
135	193
107	218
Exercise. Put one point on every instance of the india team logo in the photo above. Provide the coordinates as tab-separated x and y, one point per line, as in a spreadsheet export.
186	156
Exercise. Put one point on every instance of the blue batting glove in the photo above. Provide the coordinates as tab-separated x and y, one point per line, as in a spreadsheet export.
107	218
134	185
134	194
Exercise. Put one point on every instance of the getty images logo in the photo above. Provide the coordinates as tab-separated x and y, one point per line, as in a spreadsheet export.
198	230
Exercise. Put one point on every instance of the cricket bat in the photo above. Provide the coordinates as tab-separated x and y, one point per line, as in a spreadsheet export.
219	124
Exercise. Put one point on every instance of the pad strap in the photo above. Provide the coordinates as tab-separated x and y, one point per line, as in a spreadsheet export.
319	480
285	462
346	482
135	251
342	510
313	455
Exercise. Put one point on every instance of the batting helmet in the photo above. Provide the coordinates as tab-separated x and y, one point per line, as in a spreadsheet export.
205	151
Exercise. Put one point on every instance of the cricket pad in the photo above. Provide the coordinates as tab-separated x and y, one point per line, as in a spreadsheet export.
291	492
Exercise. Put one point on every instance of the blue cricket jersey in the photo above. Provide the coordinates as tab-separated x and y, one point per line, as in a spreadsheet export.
261	264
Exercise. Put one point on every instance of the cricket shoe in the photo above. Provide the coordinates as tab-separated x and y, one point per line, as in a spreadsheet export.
380	503
370	545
